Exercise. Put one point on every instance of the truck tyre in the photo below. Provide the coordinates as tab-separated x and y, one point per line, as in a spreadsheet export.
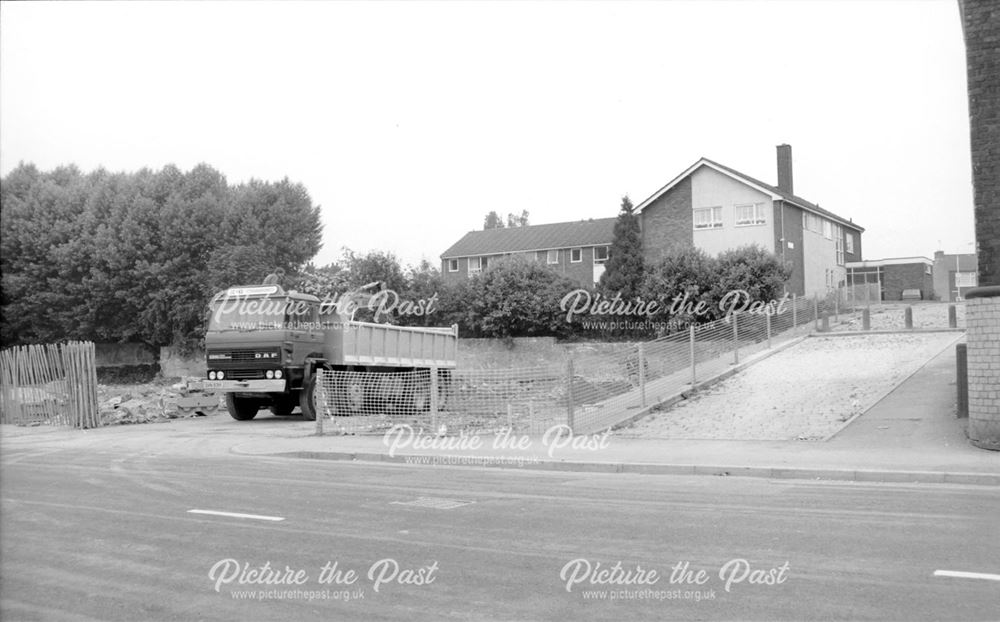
241	408
283	404
306	399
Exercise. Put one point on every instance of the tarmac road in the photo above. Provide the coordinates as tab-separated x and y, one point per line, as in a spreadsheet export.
109	535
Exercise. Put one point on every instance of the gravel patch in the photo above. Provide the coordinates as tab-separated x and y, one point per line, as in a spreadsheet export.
804	393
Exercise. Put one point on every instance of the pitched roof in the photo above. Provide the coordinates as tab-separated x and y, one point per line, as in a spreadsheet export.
775	192
534	238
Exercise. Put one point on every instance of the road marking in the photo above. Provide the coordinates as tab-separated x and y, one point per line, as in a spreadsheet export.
966	575
236	515
434	502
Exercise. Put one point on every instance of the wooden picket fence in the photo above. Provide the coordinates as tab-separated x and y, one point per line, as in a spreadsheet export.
52	383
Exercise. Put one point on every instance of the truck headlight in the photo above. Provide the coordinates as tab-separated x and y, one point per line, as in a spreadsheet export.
277	374
211	375
269	374
219	375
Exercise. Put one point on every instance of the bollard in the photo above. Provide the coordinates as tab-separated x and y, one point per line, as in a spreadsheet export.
795	312
962	380
642	375
952	317
866	319
908	317
825	327
694	380
569	394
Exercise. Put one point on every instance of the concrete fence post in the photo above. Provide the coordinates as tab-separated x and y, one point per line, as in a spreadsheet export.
866	319
694	379
434	398
736	339
570	415
767	322
908	317
816	311
962	380
319	392
642	375
825	324
836	305
952	317
795	311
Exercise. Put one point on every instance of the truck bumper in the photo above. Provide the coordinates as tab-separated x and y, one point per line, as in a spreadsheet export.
245	386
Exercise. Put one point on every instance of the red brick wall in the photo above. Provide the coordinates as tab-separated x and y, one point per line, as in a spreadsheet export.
981	21
788	223
667	223
906	276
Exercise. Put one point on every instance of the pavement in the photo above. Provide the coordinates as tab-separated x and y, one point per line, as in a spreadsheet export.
910	435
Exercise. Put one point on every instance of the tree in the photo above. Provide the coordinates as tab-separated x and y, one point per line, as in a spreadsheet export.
623	271
517	297
136	256
750	269
681	281
518	221
492	221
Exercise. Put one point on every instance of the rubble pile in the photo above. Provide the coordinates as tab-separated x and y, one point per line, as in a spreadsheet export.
147	403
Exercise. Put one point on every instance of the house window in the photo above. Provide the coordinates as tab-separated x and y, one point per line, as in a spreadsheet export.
552	257
828	229
600	254
813	223
477	265
708	218
576	255
927	269
850	243
750	214
452	265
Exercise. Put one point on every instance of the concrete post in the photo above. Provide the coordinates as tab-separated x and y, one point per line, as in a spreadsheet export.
836	306
962	380
825	325
795	311
767	322
736	339
816	311
952	317
319	391
570	415
642	375
434	398
866	319
694	379
908	317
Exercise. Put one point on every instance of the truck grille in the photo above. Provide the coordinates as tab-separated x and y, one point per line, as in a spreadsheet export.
245	374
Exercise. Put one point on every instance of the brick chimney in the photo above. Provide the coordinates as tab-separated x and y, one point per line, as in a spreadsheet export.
785	168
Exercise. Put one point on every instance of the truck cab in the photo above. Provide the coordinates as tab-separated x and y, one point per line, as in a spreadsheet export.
257	341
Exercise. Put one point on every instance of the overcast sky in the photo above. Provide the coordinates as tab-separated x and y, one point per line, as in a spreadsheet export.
409	122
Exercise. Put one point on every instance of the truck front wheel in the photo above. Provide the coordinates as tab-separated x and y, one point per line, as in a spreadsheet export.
241	408
306	399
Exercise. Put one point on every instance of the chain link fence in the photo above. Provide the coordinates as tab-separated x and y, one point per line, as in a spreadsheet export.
589	393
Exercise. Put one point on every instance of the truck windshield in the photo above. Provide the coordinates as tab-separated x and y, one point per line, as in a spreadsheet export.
260	314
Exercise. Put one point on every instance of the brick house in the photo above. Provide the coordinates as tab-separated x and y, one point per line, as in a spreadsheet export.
895	275
715	208
575	249
708	206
